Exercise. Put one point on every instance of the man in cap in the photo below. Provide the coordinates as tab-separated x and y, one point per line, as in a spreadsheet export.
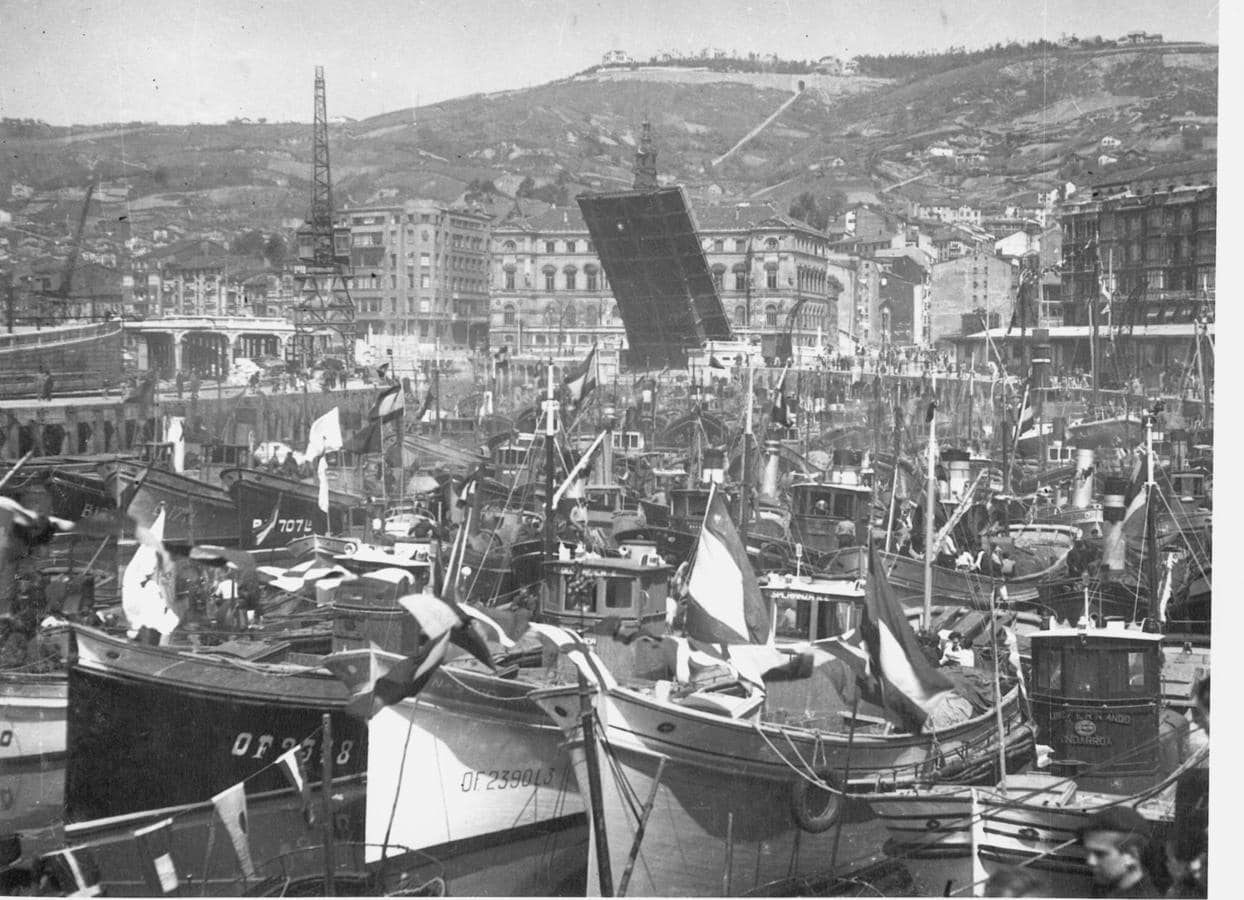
1114	842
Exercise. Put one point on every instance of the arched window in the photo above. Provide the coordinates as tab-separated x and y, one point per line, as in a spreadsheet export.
719	276
550	278
571	277
570	318
771	316
510	314
551	314
740	315
593	281
613	314
771	243
510	246
510	277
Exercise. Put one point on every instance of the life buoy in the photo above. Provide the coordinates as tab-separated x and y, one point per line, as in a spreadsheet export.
814	808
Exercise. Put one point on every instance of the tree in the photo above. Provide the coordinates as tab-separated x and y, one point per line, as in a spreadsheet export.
249	243
525	187
807	208
274	250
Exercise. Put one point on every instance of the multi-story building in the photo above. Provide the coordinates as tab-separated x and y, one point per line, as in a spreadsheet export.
969	294
420	268
550	293
1146	236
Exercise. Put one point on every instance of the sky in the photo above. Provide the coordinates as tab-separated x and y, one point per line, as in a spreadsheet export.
177	61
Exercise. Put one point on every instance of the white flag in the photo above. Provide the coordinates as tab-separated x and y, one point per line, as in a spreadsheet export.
175	434
321	472
325	434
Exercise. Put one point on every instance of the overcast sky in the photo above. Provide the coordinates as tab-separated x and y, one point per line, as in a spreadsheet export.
175	61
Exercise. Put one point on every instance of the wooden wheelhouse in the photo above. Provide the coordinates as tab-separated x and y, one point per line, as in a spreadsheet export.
585	590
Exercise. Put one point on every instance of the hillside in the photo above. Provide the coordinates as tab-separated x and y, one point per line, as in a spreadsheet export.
1011	124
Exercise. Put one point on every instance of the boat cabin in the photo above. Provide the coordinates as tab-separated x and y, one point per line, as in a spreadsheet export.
817	508
582	591
509	454
1060	453
1190	487
811	608
1096	698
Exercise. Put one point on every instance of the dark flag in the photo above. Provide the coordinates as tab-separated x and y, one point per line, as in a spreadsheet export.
159	870
367	439
382	371
389	404
502	358
580	379
715	363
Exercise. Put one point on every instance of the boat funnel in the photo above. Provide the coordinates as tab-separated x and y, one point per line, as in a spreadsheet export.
1082	495
1114	547
769	480
958	472
714	469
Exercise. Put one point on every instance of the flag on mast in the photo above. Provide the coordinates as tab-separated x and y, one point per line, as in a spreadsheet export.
325	434
389	404
580	379
725	602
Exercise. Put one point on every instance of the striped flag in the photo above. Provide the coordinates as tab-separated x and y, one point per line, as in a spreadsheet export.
911	688
580	379
389	404
725	602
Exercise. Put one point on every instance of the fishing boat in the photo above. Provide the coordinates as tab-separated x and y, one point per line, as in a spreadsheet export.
469	771
201	721
1097	701
32	717
1039	550
195	512
272	511
733	786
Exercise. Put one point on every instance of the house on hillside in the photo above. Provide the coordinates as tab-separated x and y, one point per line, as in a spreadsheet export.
944	151
851	67
1106	160
828	65
616	58
1108	142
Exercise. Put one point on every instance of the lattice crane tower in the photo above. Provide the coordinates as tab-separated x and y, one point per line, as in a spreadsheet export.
324	314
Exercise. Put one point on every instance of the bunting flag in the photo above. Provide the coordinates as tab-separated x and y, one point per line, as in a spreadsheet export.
911	688
160	872
575	649
175	434
782	414
580	379
389	404
231	807
367	439
715	363
76	867
324	435
292	764
382	371
725	602
1136	497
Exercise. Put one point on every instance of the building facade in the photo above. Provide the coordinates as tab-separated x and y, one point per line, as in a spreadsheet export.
1146	239
970	294
550	294
420	269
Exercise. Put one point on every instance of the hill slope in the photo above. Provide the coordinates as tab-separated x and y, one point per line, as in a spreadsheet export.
1012	124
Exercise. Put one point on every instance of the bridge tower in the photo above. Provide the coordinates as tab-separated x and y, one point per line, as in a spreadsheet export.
324	314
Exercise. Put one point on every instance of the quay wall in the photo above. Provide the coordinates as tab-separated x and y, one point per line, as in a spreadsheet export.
232	417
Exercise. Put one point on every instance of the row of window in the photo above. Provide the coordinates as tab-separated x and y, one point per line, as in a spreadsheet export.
551	247
570	281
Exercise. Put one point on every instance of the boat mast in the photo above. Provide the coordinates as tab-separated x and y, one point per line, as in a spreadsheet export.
930	503
1151	518
550	409
745	493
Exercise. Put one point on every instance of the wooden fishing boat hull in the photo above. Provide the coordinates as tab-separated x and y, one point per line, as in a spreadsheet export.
32	716
472	773
724	814
153	727
194	512
907	574
932	828
273	511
